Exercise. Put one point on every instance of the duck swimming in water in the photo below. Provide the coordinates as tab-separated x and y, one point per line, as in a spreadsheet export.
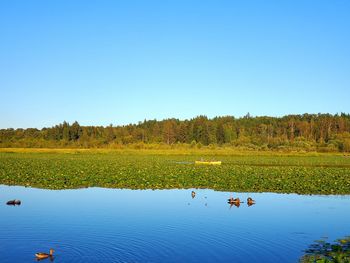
14	202
234	201
250	201
193	194
42	255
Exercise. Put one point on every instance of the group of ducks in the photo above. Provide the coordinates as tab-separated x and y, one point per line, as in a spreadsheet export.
233	201
237	202
40	255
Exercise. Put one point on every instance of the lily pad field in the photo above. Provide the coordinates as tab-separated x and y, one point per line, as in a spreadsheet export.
252	172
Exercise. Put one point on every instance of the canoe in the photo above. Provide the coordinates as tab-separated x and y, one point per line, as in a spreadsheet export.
208	162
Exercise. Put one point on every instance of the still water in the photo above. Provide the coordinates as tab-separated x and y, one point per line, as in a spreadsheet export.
113	225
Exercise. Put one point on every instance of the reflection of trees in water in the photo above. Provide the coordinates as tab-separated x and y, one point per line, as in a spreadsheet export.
322	251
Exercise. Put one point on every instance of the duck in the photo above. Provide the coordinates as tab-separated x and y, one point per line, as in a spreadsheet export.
193	194
14	202
41	255
234	200
250	201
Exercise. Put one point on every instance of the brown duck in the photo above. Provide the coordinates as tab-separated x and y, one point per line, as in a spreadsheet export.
250	201
42	255
234	202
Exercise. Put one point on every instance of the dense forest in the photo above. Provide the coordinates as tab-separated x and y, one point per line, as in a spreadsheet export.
310	132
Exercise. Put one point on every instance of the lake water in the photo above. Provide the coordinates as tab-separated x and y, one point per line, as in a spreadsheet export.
113	225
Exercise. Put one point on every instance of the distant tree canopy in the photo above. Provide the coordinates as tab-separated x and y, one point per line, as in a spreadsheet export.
314	132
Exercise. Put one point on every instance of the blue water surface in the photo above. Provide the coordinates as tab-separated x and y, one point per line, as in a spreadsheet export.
116	225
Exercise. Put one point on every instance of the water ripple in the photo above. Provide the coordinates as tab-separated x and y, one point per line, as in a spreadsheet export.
117	231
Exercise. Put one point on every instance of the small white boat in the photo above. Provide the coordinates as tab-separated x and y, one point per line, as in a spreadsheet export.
208	162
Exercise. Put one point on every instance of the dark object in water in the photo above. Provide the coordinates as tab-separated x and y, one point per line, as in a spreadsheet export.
250	201
14	202
193	194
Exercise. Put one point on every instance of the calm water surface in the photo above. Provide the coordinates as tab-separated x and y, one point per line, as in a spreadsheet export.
113	225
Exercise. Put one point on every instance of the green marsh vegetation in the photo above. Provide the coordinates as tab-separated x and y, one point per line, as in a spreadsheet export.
151	169
322	252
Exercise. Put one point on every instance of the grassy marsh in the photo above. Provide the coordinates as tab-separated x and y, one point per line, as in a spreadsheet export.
240	171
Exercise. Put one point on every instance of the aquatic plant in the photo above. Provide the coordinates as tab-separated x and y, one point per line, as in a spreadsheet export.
322	252
283	174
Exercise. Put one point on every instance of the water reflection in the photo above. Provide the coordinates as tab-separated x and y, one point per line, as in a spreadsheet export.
113	225
235	204
51	259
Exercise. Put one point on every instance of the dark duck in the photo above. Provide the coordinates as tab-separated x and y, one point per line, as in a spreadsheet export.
193	194
14	202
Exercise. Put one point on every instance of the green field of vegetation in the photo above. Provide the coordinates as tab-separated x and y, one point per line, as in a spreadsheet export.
240	172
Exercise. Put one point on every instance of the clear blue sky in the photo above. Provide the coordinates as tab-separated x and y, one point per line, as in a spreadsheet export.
102	62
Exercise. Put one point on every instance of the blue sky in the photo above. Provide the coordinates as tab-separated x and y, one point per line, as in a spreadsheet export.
102	62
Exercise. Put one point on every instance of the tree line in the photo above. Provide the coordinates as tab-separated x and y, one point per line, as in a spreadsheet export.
311	132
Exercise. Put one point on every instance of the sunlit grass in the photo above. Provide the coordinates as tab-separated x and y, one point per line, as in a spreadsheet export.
172	151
